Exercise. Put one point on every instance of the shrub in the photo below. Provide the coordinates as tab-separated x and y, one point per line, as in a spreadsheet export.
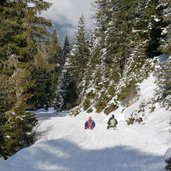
90	95
89	110
130	120
101	104
151	106
168	164
134	118
112	90
141	107
76	111
128	93
110	108
86	104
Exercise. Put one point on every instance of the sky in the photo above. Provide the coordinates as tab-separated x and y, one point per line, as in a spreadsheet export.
65	14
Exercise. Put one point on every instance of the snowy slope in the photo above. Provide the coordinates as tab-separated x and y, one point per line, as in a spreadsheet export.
64	145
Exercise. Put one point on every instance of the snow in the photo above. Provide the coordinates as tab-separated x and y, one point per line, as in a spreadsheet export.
64	145
3	166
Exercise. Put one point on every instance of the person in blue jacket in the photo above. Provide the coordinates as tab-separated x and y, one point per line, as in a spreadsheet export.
90	124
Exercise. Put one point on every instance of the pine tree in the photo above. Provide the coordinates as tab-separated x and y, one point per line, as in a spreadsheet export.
19	131
165	41
65	51
134	39
26	48
2	134
128	33
112	50
20	43
75	67
163	92
163	72
80	50
45	74
156	24
168	164
63	76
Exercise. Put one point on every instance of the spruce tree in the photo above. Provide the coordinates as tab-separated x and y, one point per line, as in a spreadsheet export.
75	67
65	51
63	75
127	34
163	72
45	73
164	84
165	41
26	48
168	164
19	131
156	24
80	51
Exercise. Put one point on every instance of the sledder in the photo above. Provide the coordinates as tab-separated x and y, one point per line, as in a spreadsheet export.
90	124
112	122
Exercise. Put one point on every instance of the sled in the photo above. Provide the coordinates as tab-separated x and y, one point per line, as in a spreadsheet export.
110	128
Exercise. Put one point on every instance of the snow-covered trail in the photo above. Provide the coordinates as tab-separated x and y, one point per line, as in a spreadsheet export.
66	146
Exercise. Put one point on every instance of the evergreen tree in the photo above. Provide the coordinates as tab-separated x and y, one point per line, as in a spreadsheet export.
111	52
26	49
2	123
65	51
156	24
128	33
165	41
80	51
163	92
22	32
168	164
75	67
163	72
63	76
19	131
45	74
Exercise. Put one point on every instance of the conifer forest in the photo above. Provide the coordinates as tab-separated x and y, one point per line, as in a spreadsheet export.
95	71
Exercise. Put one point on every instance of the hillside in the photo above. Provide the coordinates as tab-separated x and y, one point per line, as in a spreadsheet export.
64	145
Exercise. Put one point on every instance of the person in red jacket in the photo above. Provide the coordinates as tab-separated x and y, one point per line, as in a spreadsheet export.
90	124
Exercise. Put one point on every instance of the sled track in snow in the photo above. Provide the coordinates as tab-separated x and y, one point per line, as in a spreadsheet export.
117	150
73	148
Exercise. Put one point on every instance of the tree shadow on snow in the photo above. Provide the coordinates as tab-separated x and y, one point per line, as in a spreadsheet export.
42	133
62	155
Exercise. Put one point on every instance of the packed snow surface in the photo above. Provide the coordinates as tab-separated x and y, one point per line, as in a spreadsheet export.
64	145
